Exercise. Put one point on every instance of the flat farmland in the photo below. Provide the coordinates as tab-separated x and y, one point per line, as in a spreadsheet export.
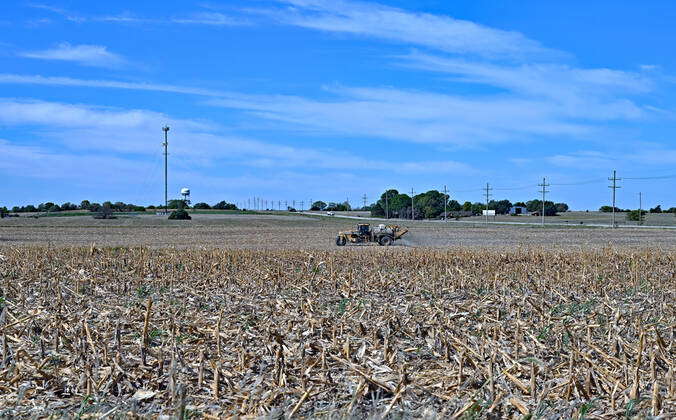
262	316
280	231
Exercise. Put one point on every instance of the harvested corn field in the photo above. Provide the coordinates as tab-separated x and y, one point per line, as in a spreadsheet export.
367	332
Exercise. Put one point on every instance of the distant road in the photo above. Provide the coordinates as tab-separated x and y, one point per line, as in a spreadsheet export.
474	222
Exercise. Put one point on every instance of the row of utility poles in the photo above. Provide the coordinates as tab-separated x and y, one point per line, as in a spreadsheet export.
543	191
260	204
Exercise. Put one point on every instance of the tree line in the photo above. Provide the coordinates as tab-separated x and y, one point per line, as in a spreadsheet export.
84	205
656	209
430	205
118	206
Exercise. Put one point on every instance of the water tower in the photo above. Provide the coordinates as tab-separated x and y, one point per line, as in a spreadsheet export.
185	192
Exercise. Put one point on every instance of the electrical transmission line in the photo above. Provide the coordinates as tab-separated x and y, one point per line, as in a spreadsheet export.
544	191
488	194
445	201
614	187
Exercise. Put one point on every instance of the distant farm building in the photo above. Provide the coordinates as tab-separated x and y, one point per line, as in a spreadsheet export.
518	210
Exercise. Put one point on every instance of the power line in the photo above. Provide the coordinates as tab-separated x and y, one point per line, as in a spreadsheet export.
544	191
514	188
488	190
166	155
591	181
651	177
614	187
445	201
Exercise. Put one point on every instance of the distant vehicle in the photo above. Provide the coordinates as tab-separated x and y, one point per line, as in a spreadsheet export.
330	213
383	235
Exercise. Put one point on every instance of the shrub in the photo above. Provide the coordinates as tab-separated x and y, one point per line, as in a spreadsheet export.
104	212
179	214
635	216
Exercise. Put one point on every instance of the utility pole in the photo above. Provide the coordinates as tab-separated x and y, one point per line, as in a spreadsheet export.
166	154
445	201
364	199
294	204
543	185
302	204
412	206
387	209
640	207
488	194
614	187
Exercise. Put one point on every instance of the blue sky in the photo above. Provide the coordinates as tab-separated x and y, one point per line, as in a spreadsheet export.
330	99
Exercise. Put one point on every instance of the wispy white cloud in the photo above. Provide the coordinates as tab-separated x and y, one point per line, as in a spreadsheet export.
32	112
210	18
197	18
550	80
68	15
111	84
413	116
656	155
433	31
88	55
585	159
115	131
595	94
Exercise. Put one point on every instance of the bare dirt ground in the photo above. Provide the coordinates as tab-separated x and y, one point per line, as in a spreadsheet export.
304	232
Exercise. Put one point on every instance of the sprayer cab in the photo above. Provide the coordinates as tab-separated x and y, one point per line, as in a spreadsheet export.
383	235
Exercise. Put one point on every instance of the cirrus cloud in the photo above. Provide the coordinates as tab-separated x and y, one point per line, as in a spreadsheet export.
87	55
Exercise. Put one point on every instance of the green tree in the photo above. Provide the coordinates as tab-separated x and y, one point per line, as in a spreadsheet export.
657	209
536	206
377	210
318	206
223	205
201	206
429	205
454	205
500	207
84	205
467	206
477	208
561	207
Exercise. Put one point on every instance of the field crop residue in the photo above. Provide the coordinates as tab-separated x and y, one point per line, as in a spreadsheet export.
360	333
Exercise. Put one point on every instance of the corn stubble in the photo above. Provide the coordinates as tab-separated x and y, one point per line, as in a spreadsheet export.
377	333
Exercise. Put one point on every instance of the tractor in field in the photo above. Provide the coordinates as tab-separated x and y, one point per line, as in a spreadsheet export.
381	234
